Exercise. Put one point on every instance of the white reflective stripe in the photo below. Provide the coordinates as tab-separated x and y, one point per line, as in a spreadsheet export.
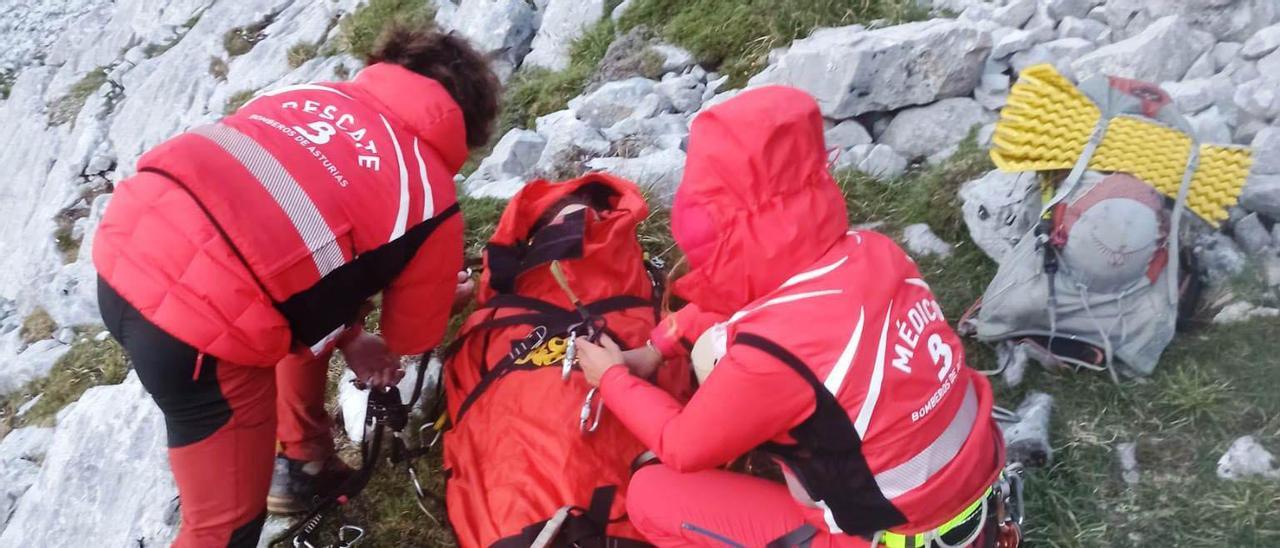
428	201
877	379
402	216
783	300
909	475
286	191
829	517
835	379
303	87
812	274
918	283
319	347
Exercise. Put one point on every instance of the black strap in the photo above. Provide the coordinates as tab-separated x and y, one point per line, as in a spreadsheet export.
801	537
563	240
544	313
582	529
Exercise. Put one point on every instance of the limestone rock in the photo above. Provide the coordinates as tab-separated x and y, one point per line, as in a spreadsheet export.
920	241
1266	152
1251	234
1203	67
514	157
1246	458
659	172
503	29
1015	13
683	92
1211	126
879	161
570	141
922	131
1064	9
1012	42
674	58
613	102
847	134
1220	257
1226	52
1229	20
1162	52
1262	194
1241	311
1261	44
1088	29
563	21
1027	441
105	476
1127	458
999	208
851	71
21	452
1059	53
1190	96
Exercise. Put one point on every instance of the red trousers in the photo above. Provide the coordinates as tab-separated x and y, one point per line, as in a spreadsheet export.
718	508
223	421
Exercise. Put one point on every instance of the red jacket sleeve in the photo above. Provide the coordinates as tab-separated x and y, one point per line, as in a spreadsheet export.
416	306
748	399
675	335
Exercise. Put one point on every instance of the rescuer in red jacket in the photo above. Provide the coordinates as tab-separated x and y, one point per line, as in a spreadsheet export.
834	358
243	252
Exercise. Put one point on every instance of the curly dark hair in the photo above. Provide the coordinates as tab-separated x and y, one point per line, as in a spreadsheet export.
452	61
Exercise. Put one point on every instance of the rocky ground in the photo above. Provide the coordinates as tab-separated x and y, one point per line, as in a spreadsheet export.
910	90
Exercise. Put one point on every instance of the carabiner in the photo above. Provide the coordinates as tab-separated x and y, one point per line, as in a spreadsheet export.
584	416
570	355
343	541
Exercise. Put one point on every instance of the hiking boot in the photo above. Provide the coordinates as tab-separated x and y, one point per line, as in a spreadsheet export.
297	485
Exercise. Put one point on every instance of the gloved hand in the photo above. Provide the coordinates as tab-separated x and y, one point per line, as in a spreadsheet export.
369	359
595	359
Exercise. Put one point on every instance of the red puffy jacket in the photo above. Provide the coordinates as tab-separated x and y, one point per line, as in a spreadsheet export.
836	356
268	231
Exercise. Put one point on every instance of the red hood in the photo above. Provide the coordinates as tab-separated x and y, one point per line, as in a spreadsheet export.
757	203
422	105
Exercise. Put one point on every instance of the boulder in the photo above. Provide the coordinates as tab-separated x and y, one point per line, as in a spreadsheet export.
1013	361
1241	311
1262	194
921	242
1074	9
1027	441
674	58
683	92
105	476
1012	42
634	136
30	363
1261	44
563	21
1203	67
1226	52
999	208
1220	258
847	134
658	172
851	71
570	141
1088	29
514	157
1190	96
1240	71
1230	20
503	29
1211	126
1162	52
1060	53
21	452
879	161
613	102
921	131
993	92
1266	152
1014	14
1223	91
1246	458
1251	234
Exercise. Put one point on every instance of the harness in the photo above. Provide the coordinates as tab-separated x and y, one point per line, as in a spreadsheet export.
386	416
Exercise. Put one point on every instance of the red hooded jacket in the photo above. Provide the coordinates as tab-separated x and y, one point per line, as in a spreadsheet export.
268	231
837	358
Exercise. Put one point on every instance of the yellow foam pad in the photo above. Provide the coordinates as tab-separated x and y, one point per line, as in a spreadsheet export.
1047	122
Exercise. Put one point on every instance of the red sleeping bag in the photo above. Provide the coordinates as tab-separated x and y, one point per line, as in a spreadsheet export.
516	456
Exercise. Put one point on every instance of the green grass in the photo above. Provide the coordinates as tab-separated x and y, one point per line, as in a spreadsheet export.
237	100
37	326
302	52
737	35
538	92
361	28
240	40
68	245
89	363
6	83
481	216
67	108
